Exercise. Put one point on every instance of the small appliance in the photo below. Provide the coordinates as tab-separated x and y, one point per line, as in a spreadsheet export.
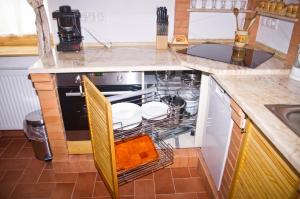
69	29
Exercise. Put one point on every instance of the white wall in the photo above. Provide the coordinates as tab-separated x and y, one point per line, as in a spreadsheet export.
211	26
117	20
205	25
275	33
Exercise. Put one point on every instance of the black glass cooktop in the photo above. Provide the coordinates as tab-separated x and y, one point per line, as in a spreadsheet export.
229	54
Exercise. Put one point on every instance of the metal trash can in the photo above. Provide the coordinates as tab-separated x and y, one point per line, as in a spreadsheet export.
35	130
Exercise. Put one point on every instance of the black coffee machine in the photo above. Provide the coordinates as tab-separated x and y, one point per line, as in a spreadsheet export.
69	29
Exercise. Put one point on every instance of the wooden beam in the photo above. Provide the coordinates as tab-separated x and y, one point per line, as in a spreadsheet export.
15	40
181	25
295	40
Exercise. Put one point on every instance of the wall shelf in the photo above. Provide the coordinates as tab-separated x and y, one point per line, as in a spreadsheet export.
216	10
266	14
285	18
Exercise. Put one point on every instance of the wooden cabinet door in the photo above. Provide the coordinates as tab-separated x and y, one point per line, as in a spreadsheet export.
262	172
102	136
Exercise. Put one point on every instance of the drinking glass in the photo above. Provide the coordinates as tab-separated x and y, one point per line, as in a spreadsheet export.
243	5
214	4
233	4
223	4
204	3
193	3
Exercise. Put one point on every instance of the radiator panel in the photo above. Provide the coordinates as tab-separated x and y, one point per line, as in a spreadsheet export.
17	98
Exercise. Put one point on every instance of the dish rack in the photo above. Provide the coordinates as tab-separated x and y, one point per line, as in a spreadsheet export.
172	124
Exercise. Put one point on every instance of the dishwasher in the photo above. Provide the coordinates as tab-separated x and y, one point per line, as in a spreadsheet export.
217	136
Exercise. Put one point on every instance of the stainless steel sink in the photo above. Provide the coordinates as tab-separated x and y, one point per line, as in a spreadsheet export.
288	114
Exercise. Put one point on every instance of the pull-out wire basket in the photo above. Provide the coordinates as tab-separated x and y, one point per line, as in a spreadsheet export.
159	128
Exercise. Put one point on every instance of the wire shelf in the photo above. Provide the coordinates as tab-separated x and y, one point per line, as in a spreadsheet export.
174	123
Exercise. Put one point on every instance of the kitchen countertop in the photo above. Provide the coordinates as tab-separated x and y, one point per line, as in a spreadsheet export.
100	59
249	91
252	92
142	58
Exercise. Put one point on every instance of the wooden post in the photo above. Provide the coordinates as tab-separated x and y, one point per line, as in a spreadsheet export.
181	26
295	40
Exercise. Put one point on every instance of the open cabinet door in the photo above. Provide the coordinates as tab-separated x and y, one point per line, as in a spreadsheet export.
102	136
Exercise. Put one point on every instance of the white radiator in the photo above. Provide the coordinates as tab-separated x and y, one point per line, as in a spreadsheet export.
17	98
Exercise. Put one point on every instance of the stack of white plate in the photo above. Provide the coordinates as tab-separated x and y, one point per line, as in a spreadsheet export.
126	115
155	110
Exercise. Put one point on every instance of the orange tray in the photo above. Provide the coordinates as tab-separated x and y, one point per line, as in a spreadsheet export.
134	152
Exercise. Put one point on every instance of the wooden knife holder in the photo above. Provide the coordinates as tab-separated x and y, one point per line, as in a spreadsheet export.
161	42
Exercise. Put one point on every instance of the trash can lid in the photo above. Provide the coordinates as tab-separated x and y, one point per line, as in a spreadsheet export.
34	117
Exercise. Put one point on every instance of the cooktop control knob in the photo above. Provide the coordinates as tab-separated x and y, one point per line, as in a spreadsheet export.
78	79
119	77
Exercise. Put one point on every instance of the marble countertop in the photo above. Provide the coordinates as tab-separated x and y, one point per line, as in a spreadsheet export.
142	58
100	59
253	92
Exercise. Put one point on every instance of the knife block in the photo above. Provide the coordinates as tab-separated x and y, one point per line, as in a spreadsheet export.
161	42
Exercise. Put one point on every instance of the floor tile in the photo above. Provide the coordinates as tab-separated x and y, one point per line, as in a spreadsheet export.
177	196
32	172
13	148
65	166
143	187
62	191
4	142
180	172
8	183
147	177
25	153
98	177
202	195
28	144
48	165
51	176
13	164
2	174
87	166
22	176
2	151
85	184
150	196
164	186
127	189
100	190
127	197
185	185
194	172
163	174
28	191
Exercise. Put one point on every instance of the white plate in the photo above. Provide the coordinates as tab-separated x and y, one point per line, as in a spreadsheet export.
155	110
126	115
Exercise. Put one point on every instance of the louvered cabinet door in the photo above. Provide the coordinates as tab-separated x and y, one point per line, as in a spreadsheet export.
262	172
102	137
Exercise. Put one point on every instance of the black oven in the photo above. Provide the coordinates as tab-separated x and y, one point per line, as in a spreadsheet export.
73	107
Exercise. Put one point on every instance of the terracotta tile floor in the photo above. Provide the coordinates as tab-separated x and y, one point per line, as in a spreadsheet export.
22	176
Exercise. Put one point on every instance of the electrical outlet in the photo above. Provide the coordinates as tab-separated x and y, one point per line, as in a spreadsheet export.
264	21
273	24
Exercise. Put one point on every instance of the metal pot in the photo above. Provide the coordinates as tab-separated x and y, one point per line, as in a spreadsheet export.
177	105
191	78
165	75
191	97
